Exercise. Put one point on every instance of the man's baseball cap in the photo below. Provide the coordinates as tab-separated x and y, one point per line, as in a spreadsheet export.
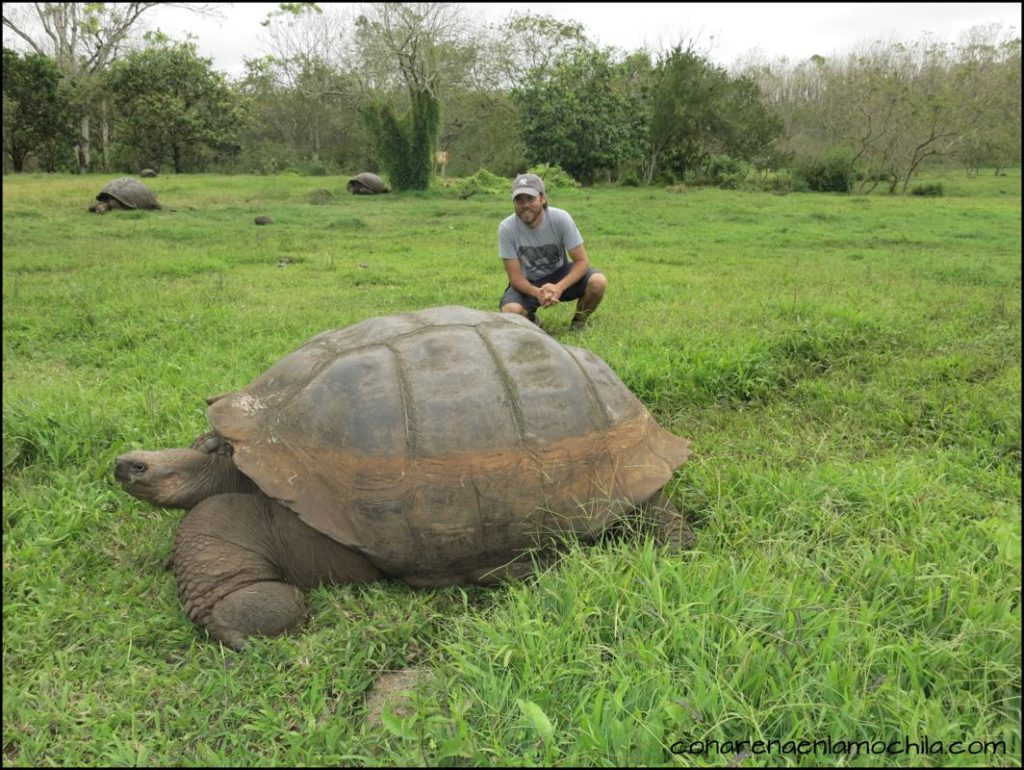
527	184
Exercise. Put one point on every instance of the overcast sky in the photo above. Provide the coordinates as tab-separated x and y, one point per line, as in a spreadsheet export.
724	31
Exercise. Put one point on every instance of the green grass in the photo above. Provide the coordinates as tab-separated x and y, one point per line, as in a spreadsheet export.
848	369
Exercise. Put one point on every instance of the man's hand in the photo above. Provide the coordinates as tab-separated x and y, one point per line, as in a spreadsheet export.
550	295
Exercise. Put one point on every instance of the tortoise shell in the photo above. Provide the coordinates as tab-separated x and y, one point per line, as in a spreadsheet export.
130	193
367	184
446	439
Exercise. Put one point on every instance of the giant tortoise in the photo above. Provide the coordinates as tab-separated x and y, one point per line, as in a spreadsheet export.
367	184
124	193
435	447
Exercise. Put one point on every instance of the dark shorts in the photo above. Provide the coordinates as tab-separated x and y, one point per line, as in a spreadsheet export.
532	303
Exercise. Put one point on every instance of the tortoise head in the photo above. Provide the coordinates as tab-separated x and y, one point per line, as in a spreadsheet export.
179	478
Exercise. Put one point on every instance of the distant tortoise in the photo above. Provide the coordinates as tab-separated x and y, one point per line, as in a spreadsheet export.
124	193
367	184
147	173
435	448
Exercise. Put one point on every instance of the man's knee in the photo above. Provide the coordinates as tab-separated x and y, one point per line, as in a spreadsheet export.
596	285
513	307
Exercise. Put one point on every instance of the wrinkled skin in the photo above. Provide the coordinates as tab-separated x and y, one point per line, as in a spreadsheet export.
242	560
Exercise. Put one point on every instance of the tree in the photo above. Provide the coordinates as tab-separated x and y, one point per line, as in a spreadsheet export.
172	106
528	42
990	69
700	110
683	101
313	100
301	112
83	39
578	114
36	110
891	107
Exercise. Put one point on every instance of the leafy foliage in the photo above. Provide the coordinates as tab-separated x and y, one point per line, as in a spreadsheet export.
832	172
173	108
578	114
37	119
699	110
555	178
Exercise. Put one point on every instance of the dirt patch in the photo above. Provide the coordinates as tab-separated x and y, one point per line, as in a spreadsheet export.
393	688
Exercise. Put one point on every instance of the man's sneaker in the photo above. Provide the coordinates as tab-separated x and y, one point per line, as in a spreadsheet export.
579	321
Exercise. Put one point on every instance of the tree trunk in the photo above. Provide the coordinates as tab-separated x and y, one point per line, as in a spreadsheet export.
83	146
650	166
104	136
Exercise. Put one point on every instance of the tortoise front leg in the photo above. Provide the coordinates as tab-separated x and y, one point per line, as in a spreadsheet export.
240	562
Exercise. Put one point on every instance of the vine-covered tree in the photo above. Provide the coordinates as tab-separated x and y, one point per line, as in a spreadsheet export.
424	45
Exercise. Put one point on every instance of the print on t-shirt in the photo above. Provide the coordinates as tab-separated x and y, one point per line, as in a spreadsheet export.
541	259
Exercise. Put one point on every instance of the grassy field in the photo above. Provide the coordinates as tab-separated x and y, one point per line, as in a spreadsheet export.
847	368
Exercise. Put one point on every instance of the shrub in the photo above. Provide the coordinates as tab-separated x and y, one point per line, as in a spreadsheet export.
483	181
554	177
777	182
933	190
723	171
832	172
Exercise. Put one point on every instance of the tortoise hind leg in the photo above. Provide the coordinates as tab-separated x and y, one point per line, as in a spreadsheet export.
667	523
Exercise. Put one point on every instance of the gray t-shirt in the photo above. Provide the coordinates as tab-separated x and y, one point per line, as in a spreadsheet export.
540	250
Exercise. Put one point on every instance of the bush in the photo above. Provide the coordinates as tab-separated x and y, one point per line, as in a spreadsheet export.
554	177
723	171
777	182
832	172
483	181
933	190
